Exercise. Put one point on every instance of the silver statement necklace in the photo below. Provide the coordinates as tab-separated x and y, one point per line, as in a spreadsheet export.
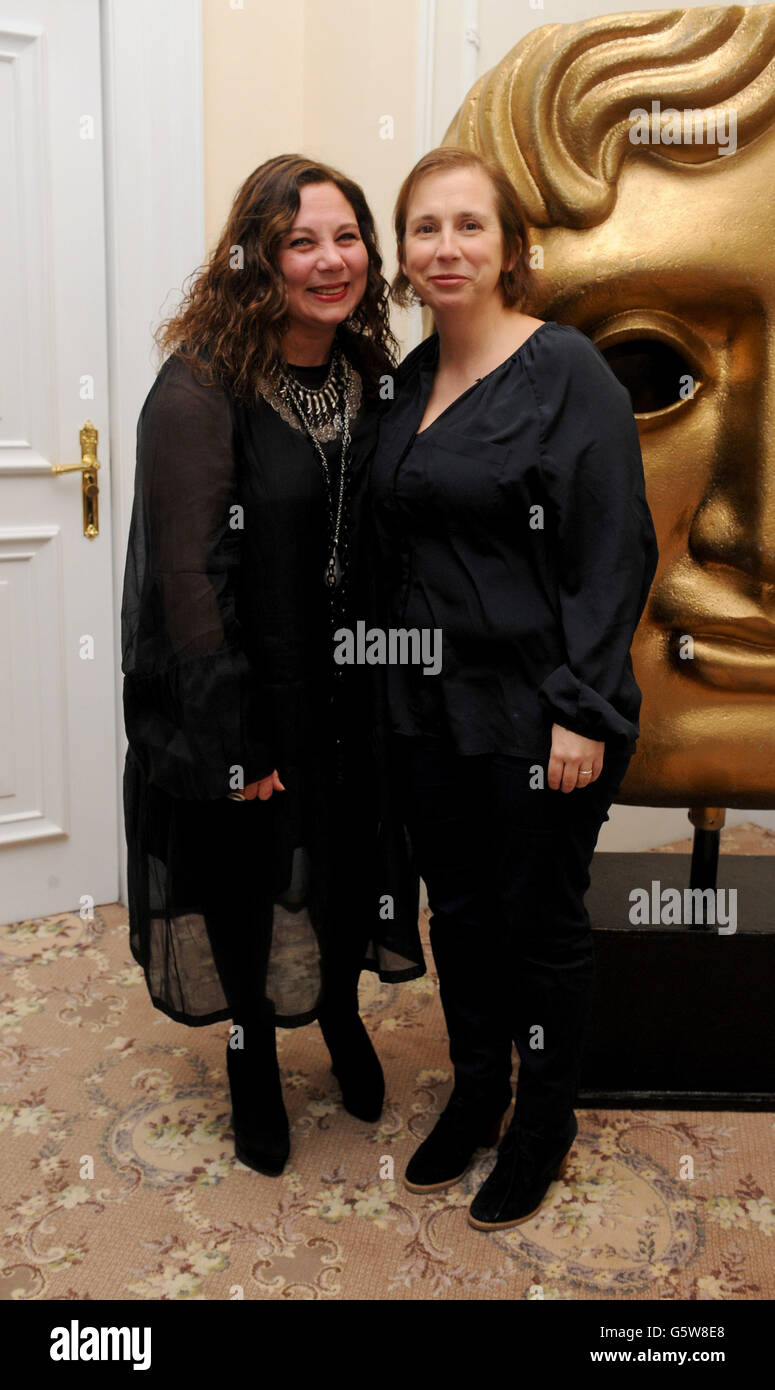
318	409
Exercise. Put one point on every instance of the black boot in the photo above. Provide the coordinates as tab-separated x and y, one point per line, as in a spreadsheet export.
464	1126
261	1132
534	1150
354	1062
480	1052
528	1163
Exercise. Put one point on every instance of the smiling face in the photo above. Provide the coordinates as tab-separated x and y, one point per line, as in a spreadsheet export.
675	287
324	263
453	249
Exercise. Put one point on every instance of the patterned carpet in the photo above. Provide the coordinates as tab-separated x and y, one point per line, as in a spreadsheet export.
120	1182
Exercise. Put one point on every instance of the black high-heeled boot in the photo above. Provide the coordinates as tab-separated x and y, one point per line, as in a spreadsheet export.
261	1132
528	1163
354	1062
463	1126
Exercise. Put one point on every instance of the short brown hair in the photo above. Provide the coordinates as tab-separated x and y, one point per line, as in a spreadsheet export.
520	284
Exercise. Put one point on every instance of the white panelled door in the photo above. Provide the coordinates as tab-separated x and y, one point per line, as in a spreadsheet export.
58	793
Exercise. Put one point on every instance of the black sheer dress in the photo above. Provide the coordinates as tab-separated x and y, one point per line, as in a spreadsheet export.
227	654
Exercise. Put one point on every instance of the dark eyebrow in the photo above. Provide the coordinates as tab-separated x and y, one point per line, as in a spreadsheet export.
294	231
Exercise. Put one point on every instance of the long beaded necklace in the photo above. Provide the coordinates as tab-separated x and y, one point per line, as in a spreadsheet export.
316	409
327	411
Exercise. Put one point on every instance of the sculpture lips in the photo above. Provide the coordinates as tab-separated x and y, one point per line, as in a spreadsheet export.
750	632
737	655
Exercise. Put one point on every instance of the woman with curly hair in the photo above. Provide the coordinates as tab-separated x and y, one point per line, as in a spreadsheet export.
264	870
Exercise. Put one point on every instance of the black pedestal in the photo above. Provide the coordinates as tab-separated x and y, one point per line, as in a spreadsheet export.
683	1017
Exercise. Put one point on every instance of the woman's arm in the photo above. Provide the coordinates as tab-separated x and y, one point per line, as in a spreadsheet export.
192	702
604	544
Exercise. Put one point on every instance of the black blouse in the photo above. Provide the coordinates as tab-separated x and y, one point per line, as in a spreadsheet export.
227	656
517	525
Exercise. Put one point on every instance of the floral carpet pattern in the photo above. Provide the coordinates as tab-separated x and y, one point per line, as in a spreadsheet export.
120	1181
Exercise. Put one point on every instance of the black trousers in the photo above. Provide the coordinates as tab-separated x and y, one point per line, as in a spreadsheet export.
506	864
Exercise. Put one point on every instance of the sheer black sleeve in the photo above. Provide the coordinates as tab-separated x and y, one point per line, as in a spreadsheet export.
192	702
604	543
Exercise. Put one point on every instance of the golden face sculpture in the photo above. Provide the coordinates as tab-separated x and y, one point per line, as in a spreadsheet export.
643	148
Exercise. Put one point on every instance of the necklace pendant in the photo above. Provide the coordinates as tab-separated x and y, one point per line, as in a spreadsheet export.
332	576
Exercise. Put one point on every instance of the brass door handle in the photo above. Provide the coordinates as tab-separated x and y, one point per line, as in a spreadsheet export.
89	486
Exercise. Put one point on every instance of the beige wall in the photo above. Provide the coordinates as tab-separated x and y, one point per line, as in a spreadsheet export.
311	77
253	94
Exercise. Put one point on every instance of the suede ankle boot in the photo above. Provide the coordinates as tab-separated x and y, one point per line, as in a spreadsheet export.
528	1163
465	1125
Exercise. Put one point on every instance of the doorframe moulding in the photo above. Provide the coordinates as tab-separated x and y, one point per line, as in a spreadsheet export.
153	117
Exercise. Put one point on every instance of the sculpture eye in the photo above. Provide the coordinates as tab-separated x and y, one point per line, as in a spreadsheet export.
655	374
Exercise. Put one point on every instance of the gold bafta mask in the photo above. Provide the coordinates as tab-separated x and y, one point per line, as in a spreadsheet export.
643	148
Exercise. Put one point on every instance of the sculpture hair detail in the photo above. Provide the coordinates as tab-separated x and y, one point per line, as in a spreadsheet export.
557	110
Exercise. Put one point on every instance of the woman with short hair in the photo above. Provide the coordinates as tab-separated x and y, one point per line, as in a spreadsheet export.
509	498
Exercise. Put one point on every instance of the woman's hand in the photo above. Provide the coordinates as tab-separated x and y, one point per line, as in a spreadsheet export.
571	757
263	789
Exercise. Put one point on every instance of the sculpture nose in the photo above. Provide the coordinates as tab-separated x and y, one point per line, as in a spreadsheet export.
735	523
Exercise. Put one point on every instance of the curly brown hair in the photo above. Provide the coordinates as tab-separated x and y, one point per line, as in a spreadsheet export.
230	324
520	285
